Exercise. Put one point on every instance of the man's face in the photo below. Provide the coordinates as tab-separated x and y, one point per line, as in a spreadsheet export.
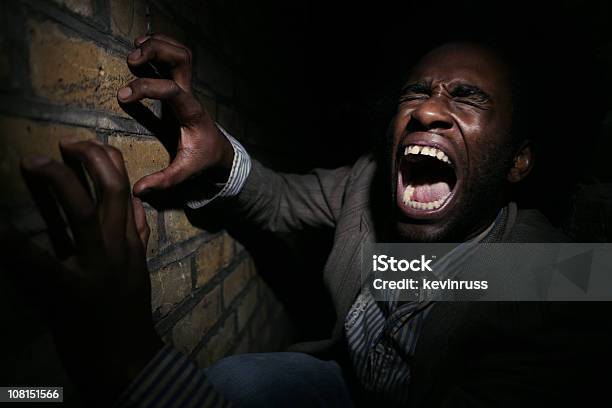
451	145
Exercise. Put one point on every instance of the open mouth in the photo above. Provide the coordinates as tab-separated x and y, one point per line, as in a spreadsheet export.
426	180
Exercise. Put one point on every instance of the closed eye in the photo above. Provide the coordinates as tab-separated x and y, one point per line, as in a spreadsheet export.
415	91
470	94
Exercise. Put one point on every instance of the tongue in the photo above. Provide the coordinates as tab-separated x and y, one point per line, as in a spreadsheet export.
427	193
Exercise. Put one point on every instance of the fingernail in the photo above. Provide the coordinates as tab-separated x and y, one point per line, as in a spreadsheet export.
142	39
142	193
135	55
34	160
124	93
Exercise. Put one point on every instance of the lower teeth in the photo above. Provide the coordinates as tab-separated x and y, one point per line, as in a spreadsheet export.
422	206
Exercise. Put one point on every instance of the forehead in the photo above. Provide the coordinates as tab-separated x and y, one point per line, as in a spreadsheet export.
465	63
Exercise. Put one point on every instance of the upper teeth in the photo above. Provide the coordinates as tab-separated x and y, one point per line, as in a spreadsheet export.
427	151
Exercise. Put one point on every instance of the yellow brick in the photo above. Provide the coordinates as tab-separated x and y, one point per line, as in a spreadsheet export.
228	249
219	344
22	136
178	227
82	7
192	327
73	71
128	18
170	285
209	260
247	306
235	282
142	156
153	246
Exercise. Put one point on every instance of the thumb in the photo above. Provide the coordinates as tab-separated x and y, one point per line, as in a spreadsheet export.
177	172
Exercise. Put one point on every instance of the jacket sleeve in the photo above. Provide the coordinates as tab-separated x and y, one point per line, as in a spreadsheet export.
280	202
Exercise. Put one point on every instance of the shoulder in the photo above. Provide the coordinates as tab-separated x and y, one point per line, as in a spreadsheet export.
532	226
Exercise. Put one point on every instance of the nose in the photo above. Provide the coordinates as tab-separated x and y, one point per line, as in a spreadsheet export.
433	114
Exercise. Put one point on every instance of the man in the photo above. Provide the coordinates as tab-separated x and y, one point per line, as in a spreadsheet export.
452	155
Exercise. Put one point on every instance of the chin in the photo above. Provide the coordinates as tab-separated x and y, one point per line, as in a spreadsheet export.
407	231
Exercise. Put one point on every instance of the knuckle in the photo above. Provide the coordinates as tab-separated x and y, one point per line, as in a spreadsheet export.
113	151
173	88
185	56
144	86
118	187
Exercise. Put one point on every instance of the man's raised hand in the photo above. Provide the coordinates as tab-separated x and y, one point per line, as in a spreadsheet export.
100	293
201	149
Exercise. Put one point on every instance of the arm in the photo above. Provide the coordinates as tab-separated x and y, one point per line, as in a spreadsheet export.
99	294
284	202
207	156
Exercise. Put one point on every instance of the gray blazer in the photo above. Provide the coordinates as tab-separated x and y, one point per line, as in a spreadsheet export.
468	353
341	199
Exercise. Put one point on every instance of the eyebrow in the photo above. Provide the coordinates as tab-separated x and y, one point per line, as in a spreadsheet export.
417	87
471	89
424	87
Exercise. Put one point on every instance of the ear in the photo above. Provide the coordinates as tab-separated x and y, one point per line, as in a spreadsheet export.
523	163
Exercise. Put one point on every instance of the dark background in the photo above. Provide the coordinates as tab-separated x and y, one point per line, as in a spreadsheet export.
326	77
321	80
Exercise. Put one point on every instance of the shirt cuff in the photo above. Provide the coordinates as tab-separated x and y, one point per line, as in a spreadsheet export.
170	380
241	167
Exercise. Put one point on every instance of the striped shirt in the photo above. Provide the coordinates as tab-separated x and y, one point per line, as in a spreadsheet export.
170	380
241	167
382	336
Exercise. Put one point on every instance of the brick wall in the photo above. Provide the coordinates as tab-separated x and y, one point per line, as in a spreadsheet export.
61	63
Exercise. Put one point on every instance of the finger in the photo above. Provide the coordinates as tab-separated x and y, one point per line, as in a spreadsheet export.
113	189
156	51
50	212
159	36
177	172
77	205
131	228
143	88
140	218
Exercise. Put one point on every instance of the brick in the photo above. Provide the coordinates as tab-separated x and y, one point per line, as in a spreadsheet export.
177	227
153	246
142	156
128	18
169	286
220	344
82	7
235	282
247	306
73	71
21	136
186	334
228	249
244	344
210	258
